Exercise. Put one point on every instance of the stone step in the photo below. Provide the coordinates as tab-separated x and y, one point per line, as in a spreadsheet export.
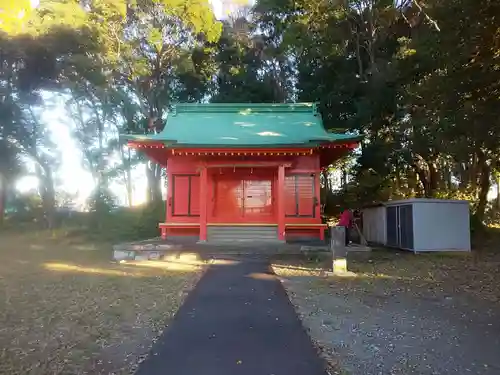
242	233
249	228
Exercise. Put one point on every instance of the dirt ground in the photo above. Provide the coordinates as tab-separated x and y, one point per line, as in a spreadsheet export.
65	308
400	313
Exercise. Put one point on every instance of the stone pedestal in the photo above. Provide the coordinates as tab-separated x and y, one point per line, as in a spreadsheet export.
339	250
154	249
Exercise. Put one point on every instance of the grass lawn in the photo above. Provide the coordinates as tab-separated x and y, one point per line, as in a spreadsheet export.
65	308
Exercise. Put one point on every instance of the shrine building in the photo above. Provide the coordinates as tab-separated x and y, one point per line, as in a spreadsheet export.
243	172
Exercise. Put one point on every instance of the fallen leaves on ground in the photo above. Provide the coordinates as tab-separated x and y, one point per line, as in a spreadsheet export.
476	274
386	274
69	309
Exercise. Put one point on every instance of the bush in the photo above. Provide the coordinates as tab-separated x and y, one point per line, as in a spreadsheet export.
104	222
101	201
25	208
126	224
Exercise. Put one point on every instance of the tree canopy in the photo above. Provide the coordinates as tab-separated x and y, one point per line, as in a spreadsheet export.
418	79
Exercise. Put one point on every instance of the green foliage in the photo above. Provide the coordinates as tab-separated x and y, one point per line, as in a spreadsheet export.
26	208
101	203
419	80
123	224
147	219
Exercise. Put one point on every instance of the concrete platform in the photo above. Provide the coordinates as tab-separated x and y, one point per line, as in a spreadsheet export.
152	249
157	248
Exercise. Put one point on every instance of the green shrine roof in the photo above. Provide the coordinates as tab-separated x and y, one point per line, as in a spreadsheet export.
237	125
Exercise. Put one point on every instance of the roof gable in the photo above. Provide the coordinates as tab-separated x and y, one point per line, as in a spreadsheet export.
235	125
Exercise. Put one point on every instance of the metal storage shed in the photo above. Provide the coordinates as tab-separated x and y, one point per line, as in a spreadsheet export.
419	224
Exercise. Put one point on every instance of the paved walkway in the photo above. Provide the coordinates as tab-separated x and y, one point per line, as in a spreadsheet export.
237	321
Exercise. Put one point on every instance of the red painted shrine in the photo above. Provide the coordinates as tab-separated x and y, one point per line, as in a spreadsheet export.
243	168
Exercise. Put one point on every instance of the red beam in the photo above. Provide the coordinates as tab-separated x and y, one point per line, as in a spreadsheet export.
245	164
241	152
136	144
236	151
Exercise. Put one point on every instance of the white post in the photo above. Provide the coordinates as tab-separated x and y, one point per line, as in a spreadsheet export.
339	249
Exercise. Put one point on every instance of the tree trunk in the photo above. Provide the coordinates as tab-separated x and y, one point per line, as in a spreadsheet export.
371	38
484	186
498	191
358	56
397	180
153	173
47	193
326	179
446	180
464	176
433	179
411	182
49	201
344	179
422	178
3	198
129	180
427	173
473	173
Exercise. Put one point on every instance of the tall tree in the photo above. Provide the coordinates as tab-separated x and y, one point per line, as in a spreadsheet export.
160	49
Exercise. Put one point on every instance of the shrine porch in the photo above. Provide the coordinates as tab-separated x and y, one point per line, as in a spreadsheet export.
243	199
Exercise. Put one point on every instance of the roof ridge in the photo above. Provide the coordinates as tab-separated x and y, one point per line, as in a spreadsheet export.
243	107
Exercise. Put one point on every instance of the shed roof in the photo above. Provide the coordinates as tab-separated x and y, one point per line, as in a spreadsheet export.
415	200
251	125
424	200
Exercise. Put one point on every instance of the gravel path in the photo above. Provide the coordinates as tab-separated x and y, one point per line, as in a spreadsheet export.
378	332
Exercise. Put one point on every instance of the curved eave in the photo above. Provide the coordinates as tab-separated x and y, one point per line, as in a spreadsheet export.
340	138
305	107
145	138
329	149
316	142
154	143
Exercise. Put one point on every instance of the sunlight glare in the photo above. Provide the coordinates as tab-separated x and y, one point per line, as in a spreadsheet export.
26	184
92	270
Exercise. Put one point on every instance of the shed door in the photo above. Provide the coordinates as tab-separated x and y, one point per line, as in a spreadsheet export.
406	226
392	226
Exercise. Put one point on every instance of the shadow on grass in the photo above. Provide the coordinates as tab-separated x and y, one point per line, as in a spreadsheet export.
66	308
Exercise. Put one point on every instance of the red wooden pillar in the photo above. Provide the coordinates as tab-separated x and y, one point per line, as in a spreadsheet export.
281	202
168	204
317	208
203	202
